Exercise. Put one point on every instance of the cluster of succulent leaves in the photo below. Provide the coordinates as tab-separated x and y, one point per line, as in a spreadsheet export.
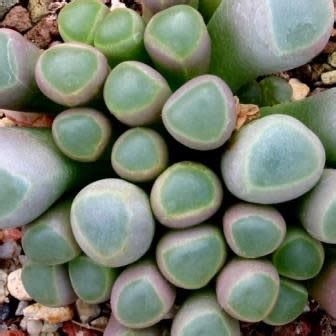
143	186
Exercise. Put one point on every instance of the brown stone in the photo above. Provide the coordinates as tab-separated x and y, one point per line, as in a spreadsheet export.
17	18
44	32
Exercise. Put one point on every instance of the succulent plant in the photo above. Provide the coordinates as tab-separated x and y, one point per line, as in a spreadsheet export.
185	194
299	257
49	240
18	57
272	160
82	134
253	231
202	315
317	113
123	230
250	93
242	51
275	90
140	154
201	114
33	174
151	7
135	93
71	74
120	36
48	285
141	297
79	20
178	42
248	289
91	282
114	328
291	302
322	288
318	207
190	258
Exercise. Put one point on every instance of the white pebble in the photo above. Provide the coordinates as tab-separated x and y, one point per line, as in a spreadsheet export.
15	286
34	327
48	314
87	312
3	287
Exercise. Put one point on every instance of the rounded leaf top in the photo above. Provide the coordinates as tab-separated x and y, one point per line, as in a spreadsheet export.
124	228
82	134
273	159
49	239
190	258
179	44
18	58
317	210
135	93
201	114
48	285
253	231
141	297
299	257
186	194
140	154
248	289
120	36
71	74
79	20
202	315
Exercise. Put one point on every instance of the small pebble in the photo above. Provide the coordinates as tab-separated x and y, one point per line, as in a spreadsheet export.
332	59
15	286
329	77
22	305
17	18
100	322
300	90
9	249
50	328
23	323
3	287
4	312
38	9
87	312
34	327
50	315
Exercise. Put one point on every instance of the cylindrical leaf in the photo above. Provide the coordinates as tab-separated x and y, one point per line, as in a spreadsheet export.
82	134
141	297
120	36
139	155
248	289
91	281
190	258
112	222
186	194
135	93
79	19
48	285
49	240
71	74
299	257
178	42
33	174
273	160
284	35
202	315
291	302
317	113
253	231
201	114
18	58
317	209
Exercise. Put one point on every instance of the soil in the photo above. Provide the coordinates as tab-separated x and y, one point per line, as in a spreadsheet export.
37	20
